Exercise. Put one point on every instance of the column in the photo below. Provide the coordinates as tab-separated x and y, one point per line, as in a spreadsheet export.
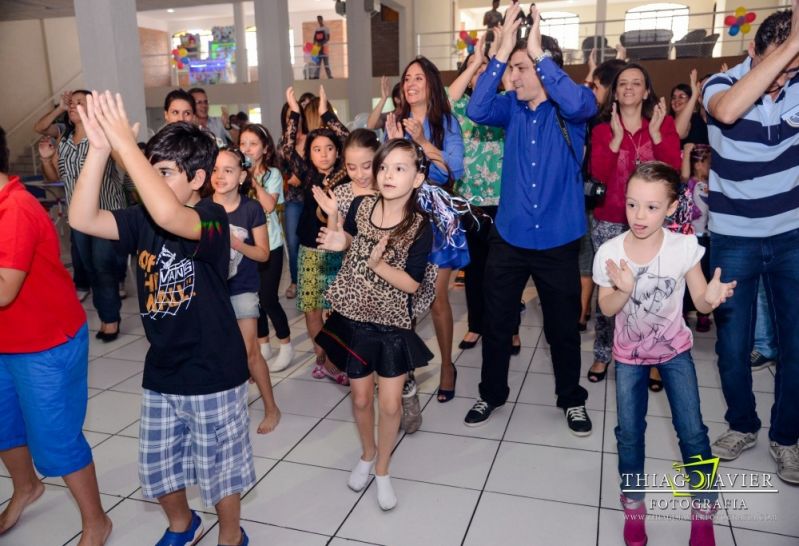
600	28
240	24
274	60
359	58
109	52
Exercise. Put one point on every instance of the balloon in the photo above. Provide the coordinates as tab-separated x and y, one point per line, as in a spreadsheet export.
463	35
183	52
729	20
740	12
733	30
315	59
740	21
184	60
460	45
180	65
175	52
751	16
307	47
470	48
315	50
745	28
473	34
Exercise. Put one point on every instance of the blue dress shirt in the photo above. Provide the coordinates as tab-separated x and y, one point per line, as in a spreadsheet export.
452	150
541	202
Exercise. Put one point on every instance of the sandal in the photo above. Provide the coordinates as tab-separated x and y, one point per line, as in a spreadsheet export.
596	377
445	395
655	385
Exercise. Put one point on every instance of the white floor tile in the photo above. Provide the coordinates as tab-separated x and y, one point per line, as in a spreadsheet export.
546	425
468	381
261	533
542	361
331	444
277	443
306	498
131	385
429	457
136	350
115	462
505	519
473	358
53	519
425	514
105	372
111	411
745	536
551	473
309	398
448	418
98	347
539	388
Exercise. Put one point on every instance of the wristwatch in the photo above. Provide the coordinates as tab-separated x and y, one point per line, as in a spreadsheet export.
544	55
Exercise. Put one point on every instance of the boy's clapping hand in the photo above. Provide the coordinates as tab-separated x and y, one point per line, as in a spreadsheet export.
109	113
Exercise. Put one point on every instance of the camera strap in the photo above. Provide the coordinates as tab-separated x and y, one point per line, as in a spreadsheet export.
565	133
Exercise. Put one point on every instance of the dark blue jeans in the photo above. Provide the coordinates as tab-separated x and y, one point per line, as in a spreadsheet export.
764	326
79	274
632	397
292	214
102	262
747	260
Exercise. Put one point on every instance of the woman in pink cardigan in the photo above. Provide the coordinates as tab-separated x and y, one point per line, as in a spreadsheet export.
635	128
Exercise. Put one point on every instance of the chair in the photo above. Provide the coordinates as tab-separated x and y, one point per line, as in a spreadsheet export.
708	44
603	51
690	45
647	44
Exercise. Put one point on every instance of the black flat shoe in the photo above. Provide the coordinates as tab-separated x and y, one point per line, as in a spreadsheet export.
515	350
108	336
468	344
582	326
444	395
596	377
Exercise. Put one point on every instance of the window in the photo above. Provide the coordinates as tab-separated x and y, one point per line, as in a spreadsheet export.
563	26
673	17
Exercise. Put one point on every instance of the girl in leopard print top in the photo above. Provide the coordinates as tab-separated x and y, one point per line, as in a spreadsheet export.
374	298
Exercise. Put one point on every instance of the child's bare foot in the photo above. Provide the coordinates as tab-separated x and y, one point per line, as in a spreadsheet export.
19	501
96	535
269	422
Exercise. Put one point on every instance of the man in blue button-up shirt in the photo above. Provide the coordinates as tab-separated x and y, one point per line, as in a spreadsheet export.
541	214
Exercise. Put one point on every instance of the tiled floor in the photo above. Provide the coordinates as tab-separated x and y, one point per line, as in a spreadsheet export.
520	479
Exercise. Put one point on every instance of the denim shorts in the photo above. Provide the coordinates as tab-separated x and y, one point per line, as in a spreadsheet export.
202	439
246	305
43	405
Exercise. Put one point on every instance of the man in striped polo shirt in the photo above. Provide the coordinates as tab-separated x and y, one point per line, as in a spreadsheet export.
753	127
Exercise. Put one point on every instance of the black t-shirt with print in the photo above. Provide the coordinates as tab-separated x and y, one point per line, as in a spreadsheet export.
195	343
243	271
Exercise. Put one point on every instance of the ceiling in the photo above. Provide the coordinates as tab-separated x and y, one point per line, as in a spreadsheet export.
11	10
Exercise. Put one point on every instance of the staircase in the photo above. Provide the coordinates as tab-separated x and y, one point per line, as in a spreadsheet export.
25	163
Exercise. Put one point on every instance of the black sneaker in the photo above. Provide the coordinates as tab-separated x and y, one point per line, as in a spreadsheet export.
760	362
578	420
479	413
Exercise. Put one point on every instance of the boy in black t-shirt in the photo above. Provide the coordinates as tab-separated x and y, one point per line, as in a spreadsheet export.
194	426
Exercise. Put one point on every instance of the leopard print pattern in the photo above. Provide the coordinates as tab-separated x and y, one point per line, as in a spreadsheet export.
360	294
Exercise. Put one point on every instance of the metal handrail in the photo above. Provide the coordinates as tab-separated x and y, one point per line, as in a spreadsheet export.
41	105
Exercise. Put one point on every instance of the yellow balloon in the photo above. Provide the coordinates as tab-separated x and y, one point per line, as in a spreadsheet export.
461	45
183	52
745	28
473	34
740	12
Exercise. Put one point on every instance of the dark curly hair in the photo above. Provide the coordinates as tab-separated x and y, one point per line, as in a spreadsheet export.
774	30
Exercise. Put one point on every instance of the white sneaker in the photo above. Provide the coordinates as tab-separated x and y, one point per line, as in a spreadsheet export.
284	358
386	497
266	352
729	445
787	458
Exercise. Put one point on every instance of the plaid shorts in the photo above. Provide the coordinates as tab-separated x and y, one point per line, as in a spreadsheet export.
202	439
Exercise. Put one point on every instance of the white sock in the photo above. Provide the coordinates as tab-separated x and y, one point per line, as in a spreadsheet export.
266	351
284	358
385	493
360	474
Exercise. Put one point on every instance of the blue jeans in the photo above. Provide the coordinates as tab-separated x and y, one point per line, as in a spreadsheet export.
102	262
292	214
79	274
775	260
632	397
764	326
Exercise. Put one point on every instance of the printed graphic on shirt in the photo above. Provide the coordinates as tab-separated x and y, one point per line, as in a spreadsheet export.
239	233
791	117
169	284
645	332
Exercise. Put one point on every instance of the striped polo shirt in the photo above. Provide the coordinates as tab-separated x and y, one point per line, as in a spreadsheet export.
754	166
70	162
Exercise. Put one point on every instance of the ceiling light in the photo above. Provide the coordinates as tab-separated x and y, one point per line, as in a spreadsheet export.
170	10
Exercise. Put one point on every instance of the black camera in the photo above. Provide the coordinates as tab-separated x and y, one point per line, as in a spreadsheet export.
594	188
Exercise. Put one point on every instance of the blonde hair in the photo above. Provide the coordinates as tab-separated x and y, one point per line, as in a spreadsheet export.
312	118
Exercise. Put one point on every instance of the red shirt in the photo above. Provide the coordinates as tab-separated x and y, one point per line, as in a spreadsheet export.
615	169
46	311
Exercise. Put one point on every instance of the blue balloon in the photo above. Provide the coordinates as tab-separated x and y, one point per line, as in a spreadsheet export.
470	48
185	60
315	59
734	30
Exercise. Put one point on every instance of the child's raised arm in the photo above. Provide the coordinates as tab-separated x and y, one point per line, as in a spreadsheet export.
708	295
85	214
160	201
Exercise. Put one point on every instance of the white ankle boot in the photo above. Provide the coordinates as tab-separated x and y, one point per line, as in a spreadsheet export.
283	359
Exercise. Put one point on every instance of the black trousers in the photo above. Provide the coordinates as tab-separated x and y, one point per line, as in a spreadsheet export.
557	278
269	273
477	241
